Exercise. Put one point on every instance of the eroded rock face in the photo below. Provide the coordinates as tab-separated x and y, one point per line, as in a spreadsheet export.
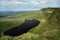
23	28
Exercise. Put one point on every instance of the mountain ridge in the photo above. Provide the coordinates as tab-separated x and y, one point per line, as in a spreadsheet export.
49	29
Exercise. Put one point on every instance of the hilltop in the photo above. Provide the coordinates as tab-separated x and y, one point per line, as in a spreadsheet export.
49	29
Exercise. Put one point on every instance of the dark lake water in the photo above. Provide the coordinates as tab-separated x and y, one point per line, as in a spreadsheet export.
2	16
23	28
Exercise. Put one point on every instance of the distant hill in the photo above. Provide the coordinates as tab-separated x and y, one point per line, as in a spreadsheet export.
8	13
49	29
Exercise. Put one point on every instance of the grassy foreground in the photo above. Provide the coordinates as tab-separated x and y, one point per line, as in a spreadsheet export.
49	29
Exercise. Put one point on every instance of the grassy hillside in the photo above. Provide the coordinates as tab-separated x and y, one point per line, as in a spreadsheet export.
49	29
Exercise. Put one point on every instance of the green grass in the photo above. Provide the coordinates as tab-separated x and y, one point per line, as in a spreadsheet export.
48	29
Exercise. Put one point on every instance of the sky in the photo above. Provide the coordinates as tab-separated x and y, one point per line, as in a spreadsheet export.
20	5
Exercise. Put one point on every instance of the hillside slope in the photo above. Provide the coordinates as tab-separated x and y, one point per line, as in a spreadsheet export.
49	29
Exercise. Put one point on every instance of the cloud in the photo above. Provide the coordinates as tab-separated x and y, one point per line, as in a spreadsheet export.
38	1
34	2
27	9
27	4
43	1
20	3
16	2
11	2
